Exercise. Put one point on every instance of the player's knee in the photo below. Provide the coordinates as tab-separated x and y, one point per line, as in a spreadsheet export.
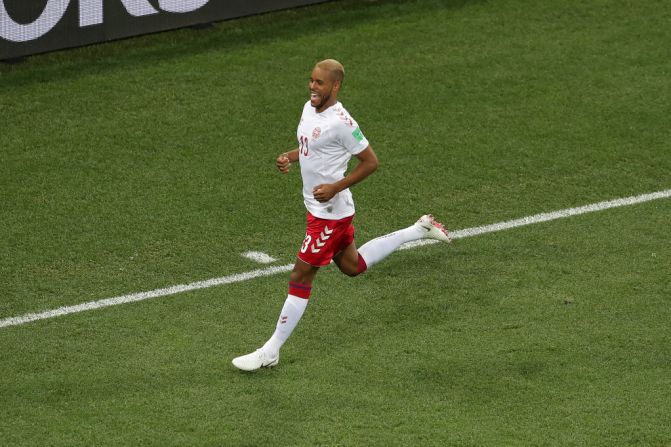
351	273
352	270
303	273
297	277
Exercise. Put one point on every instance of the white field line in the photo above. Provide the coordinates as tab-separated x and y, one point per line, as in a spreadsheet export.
269	271
545	217
123	299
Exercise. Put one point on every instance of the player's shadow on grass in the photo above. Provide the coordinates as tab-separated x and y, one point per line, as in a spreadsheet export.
223	36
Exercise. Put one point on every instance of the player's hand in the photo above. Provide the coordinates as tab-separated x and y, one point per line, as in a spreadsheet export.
283	163
324	193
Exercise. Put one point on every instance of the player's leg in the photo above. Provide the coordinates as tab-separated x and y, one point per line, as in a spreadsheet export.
349	261
353	262
300	286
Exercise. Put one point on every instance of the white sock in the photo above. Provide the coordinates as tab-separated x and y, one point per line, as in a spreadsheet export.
379	248
292	311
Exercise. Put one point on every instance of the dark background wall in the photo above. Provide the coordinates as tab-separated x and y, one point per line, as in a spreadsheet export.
36	26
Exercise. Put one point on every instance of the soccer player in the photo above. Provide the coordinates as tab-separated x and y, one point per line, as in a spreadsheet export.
327	138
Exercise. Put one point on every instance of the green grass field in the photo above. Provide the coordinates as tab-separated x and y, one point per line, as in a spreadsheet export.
149	162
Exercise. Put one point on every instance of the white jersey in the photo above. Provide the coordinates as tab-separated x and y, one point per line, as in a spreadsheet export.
326	142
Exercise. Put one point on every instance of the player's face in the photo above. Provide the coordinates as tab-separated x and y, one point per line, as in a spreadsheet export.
323	89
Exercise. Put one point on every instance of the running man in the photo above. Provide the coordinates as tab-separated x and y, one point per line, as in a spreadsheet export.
327	138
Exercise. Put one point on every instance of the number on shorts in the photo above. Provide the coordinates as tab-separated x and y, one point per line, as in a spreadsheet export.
306	243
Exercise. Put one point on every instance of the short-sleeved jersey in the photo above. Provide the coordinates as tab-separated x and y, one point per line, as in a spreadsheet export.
326	142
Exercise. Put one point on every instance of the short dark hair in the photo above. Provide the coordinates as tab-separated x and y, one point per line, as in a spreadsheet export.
333	66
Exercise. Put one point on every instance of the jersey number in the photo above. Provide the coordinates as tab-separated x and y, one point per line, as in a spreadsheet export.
303	149
306	243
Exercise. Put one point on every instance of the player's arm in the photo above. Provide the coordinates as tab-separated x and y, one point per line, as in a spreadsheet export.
284	160
367	165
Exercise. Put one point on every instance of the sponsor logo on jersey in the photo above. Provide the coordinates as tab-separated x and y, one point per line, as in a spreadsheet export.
316	132
357	134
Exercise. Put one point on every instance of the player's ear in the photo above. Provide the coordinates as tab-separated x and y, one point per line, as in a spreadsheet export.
337	84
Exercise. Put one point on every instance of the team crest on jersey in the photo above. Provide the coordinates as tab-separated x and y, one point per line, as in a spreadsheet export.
316	132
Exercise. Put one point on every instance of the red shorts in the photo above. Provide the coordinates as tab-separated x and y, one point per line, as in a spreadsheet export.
324	239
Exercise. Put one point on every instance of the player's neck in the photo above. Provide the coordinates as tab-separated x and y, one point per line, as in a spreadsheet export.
325	106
